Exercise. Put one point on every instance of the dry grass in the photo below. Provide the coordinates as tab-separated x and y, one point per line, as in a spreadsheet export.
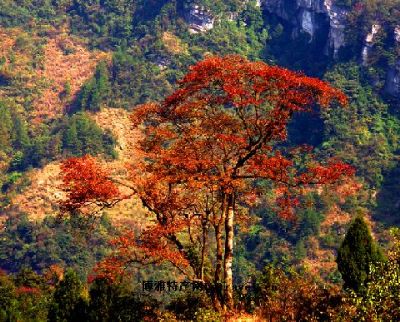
321	263
17	64
66	61
173	44
118	122
334	216
7	37
43	195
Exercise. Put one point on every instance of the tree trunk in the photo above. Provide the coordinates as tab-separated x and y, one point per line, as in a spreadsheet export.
203	246
228	279
218	267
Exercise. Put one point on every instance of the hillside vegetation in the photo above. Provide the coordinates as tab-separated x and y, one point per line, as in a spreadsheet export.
71	75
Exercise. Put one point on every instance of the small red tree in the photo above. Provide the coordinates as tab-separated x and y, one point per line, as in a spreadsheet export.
206	144
87	186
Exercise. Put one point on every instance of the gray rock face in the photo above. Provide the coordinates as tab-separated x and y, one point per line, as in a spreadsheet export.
199	19
302	14
392	85
369	44
307	23
337	22
309	16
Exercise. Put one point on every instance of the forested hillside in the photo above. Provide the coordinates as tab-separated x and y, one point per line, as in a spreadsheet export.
249	149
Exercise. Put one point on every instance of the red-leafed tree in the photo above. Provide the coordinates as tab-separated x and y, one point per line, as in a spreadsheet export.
87	186
206	144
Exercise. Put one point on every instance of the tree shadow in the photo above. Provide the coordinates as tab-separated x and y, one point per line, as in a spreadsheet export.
388	198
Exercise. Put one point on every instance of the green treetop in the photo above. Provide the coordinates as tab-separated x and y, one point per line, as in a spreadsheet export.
356	253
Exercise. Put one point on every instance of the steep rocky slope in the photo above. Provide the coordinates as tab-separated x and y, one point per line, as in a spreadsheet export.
309	16
312	17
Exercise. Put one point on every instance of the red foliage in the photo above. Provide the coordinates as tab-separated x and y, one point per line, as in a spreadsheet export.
319	174
203	146
87	185
153	247
220	128
25	290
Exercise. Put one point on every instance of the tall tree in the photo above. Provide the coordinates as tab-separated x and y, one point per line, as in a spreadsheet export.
356	254
83	136
206	145
220	131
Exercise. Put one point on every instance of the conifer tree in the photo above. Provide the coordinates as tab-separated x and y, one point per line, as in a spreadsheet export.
5	127
83	136
71	141
67	303
95	91
355	255
21	136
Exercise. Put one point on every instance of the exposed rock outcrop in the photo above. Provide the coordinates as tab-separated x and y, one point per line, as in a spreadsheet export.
393	80
322	20
199	19
369	43
310	15
392	85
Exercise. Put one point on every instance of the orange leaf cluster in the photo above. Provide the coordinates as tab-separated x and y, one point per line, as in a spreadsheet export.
221	127
87	185
152	247
225	118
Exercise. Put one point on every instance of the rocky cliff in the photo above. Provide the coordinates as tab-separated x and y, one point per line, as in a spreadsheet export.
309	16
199	19
393	76
304	15
313	17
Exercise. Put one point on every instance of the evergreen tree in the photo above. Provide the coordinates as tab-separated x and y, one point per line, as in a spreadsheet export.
38	151
68	304
83	136
102	80
90	135
355	255
95	91
21	137
71	141
5	127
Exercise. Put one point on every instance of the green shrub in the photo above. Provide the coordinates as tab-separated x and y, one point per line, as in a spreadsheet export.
207	315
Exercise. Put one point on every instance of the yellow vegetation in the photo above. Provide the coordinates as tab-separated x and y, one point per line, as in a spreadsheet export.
66	61
173	44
